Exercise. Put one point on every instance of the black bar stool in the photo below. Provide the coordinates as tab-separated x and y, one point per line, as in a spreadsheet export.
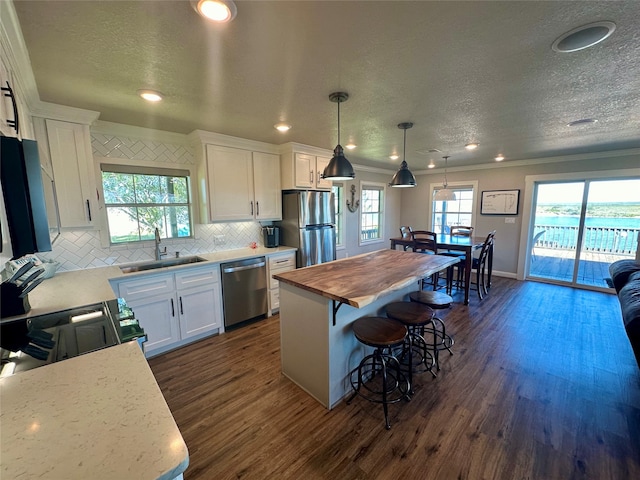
415	316
436	301
379	378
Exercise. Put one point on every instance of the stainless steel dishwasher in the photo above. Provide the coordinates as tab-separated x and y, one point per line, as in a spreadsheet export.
244	290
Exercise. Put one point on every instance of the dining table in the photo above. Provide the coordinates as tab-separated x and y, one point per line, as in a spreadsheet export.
459	243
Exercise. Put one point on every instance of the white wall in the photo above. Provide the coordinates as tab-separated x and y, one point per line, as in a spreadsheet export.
503	176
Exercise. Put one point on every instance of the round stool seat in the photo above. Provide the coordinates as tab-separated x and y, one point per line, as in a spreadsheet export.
378	378
436	300
410	313
379	331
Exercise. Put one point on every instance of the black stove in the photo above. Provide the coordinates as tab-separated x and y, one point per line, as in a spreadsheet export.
37	341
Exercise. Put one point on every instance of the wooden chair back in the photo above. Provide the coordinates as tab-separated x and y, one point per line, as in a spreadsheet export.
405	232
424	241
460	231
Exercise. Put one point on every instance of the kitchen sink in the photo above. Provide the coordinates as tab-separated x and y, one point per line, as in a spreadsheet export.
169	262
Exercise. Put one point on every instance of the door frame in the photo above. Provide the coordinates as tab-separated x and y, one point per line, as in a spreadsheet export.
528	214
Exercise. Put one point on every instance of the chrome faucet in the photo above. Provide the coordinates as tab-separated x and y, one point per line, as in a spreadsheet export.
159	253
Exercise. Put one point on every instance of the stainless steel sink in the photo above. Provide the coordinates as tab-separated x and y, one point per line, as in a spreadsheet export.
169	262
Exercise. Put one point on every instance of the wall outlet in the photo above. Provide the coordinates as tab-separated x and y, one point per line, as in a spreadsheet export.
219	240
509	220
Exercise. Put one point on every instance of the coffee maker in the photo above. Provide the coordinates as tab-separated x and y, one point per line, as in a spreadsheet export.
271	236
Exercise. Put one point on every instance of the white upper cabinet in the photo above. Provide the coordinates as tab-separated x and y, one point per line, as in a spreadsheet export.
242	185
266	186
72	161
302	167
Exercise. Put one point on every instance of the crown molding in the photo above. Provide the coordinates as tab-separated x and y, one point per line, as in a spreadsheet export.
17	55
630	152
201	137
64	113
142	133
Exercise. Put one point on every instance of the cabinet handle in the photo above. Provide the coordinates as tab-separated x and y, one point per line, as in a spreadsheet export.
257	208
89	209
15	123
181	309
310	176
251	207
173	312
319	177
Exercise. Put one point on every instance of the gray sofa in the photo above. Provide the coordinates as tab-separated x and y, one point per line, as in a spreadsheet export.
625	276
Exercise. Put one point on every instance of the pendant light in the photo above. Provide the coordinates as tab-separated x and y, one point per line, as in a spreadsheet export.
445	194
339	167
403	177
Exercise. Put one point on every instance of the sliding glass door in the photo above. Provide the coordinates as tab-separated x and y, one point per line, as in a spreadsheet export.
581	227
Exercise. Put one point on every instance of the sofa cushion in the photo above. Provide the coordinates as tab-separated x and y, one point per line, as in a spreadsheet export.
629	297
620	272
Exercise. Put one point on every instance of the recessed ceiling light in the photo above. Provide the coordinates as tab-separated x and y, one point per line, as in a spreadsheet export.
582	122
221	11
350	146
499	158
583	37
471	146
394	157
150	95
432	165
282	127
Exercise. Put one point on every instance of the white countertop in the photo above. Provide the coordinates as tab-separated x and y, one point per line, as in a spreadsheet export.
85	287
96	416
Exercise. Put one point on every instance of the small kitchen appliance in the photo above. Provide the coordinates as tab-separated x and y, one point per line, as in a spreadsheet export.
271	236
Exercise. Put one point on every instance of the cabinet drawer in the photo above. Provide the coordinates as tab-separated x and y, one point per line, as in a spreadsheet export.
273	283
282	262
146	287
197	276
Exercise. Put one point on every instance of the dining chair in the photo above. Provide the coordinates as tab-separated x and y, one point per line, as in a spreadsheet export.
457	231
479	265
426	242
405	232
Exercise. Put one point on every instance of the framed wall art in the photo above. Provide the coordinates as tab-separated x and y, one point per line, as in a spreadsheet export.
500	202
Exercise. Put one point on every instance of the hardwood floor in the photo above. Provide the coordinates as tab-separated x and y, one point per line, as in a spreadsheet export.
542	385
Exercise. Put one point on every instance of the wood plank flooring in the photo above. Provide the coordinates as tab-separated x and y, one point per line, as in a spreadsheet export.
542	385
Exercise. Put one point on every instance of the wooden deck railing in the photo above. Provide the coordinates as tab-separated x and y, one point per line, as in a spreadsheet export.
622	241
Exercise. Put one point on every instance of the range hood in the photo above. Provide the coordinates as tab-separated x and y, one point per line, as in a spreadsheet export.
24	196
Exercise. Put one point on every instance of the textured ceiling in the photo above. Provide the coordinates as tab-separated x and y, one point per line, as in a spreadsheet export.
476	71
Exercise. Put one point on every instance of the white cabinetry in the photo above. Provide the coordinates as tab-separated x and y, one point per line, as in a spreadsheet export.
72	161
278	264
174	309
303	169
242	185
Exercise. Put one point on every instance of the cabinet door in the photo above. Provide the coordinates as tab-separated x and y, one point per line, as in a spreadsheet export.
6	105
321	163
230	183
70	150
158	316
266	186
200	310
305	167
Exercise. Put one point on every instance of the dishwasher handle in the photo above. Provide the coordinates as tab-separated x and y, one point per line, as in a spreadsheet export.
245	267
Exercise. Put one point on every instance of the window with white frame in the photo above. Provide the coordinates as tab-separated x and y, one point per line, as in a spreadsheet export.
140	199
338	197
372	213
445	214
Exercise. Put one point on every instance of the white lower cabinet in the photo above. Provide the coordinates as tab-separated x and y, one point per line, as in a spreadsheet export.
175	308
278	264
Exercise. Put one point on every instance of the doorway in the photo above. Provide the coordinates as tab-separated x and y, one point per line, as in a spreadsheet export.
579	228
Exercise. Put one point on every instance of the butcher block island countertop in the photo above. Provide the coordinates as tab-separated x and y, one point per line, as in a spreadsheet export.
361	280
318	304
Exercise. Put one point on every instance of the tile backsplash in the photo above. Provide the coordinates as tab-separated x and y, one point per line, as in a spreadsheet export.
79	249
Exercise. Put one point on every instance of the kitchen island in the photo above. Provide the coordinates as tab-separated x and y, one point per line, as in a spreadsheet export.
98	416
319	303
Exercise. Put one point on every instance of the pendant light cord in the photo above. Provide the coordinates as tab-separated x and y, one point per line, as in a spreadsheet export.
338	122
445	171
404	147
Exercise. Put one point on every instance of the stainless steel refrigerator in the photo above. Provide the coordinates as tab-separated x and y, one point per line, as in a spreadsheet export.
308	223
